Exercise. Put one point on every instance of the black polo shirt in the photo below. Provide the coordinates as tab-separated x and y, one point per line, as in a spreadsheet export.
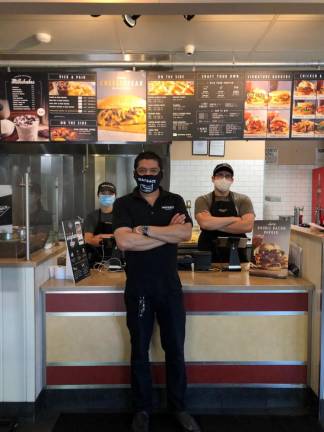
131	211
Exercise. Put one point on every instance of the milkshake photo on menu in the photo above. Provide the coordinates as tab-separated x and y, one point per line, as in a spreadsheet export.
23	107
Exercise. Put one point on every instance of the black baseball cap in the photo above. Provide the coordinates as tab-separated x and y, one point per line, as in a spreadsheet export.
106	186
223	167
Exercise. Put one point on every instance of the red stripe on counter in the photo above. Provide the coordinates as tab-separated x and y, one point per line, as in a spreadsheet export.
194	302
196	374
94	302
227	302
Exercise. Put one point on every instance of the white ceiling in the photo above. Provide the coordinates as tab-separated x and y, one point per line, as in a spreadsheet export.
216	37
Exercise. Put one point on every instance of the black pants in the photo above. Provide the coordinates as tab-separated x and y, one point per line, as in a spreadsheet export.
169	310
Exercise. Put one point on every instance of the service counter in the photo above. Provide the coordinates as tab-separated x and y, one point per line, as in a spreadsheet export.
241	331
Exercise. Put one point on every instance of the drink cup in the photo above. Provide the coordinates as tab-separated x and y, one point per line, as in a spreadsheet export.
27	127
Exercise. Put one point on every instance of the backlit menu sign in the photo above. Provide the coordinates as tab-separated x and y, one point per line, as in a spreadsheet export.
121	106
267	105
170	106
308	105
23	107
72	107
219	105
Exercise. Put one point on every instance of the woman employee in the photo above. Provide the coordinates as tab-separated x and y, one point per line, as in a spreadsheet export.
98	225
223	213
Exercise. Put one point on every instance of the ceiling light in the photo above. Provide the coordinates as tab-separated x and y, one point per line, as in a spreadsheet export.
130	20
188	17
43	37
95	16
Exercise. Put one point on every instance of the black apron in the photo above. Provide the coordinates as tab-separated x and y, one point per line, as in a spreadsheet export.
95	254
220	208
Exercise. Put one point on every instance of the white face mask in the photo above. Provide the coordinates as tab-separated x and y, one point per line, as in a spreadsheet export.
222	185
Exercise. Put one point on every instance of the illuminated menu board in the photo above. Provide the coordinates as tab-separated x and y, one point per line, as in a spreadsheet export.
308	105
267	107
219	105
170	106
72	106
23	107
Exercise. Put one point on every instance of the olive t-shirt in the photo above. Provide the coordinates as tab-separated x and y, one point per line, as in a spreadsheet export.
243	204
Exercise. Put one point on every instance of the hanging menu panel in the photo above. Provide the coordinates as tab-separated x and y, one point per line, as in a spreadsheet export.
72	107
23	107
308	105
219	105
267	105
121	106
170	105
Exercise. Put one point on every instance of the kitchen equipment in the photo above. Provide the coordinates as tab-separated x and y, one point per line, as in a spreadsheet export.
287	218
318	196
298	215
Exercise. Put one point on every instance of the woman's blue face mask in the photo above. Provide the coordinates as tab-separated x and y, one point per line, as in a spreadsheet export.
107	200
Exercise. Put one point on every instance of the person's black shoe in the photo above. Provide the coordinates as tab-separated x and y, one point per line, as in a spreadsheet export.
187	422
140	422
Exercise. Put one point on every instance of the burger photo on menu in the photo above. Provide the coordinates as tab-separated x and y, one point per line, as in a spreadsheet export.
171	88
304	128
279	99
320	89
320	108
278	124
256	94
255	123
319	128
122	113
270	248
304	88
304	108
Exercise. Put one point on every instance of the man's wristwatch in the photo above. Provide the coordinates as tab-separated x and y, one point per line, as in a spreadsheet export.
145	229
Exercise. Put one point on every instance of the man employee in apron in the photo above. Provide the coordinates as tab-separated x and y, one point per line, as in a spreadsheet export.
98	233
148	224
223	213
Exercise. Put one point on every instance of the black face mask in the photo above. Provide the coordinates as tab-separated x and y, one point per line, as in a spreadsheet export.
148	183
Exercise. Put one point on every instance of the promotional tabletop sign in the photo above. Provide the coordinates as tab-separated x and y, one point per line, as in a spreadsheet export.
219	105
121	106
23	107
170	106
308	105
5	208
77	264
72	106
270	248
267	105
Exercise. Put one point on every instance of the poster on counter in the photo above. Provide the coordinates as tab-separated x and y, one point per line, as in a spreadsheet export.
267	110
23	107
72	106
308	105
5	208
76	259
219	105
270	248
121	106
170	106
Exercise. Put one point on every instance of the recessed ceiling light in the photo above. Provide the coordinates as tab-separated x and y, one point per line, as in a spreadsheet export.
188	17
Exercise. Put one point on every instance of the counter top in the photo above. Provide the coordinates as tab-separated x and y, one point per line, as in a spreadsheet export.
310	232
202	281
37	257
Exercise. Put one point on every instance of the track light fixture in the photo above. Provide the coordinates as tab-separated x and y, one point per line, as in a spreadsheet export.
188	17
130	20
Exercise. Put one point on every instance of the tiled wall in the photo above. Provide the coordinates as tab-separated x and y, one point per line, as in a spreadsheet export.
292	184
191	178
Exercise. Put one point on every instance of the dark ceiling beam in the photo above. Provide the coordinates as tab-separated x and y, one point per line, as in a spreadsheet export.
162	7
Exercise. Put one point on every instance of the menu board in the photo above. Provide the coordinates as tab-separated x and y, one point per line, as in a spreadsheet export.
72	106
170	106
23	107
308	105
121	106
270	248
220	101
76	259
267	105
